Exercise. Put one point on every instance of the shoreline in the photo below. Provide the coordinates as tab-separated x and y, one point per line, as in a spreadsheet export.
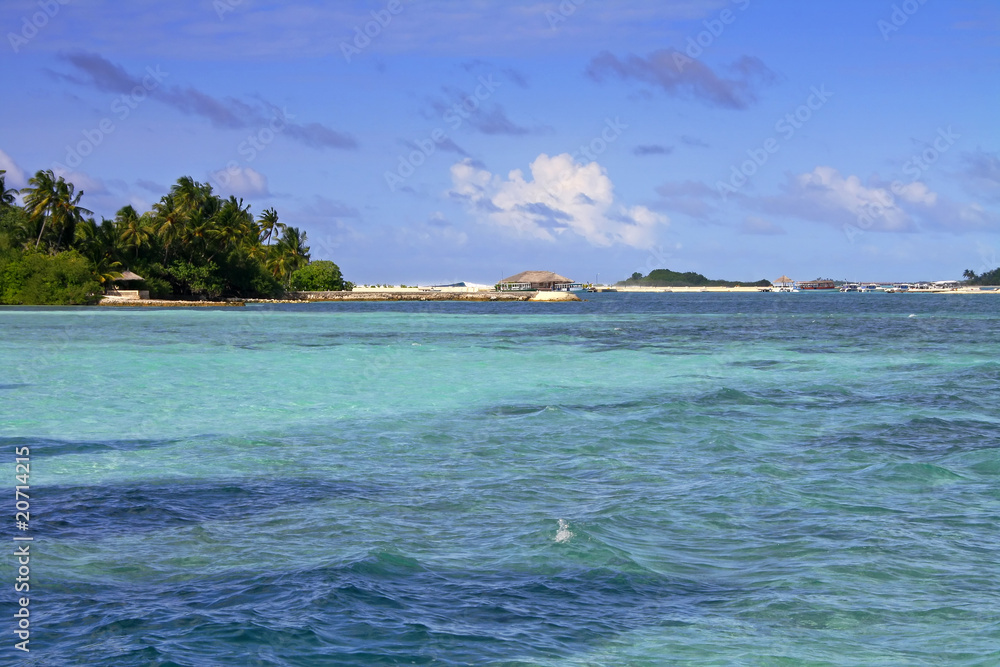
411	294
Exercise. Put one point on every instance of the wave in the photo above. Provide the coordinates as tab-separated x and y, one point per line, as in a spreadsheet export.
83	512
384	608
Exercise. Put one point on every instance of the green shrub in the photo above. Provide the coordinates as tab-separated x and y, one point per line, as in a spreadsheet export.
319	276
37	279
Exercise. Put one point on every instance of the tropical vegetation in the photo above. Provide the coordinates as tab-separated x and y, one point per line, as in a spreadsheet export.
668	278
989	278
191	243
319	276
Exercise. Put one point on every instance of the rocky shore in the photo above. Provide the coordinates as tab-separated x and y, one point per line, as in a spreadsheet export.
360	296
167	303
420	295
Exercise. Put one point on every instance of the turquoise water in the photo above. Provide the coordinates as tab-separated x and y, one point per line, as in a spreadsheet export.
636	480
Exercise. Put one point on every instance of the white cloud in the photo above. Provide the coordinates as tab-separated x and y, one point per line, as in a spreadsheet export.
241	182
824	195
916	192
561	196
15	176
90	185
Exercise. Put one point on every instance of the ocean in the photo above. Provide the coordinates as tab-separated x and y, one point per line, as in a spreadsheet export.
650	479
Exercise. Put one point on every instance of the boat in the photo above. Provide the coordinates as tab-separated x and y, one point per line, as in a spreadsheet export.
850	287
818	284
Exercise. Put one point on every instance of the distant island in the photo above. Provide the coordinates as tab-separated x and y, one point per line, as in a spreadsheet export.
192	244
668	278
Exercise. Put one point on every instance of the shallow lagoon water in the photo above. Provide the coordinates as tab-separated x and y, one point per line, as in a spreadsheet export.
742	479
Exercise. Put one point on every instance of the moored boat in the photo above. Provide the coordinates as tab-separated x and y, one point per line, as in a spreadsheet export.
818	284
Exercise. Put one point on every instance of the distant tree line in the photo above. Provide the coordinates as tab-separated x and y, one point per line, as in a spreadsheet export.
191	243
988	278
668	278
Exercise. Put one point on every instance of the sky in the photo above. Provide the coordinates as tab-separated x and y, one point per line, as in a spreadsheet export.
437	141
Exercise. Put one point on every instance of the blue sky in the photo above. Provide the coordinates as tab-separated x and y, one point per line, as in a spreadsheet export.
472	140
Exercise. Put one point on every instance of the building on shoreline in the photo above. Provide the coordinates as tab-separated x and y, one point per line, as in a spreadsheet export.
126	287
535	281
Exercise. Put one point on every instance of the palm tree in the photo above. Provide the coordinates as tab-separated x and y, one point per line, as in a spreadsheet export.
191	195
54	202
6	196
133	231
40	198
200	229
96	241
269	225
290	254
169	218
233	225
107	270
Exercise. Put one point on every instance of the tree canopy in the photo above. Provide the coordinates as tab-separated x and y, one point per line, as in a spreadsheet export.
991	278
191	242
668	278
319	276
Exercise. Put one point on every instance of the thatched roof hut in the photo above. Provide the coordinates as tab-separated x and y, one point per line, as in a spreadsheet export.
119	288
128	276
535	280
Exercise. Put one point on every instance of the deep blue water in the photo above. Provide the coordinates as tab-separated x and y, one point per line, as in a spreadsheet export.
759	479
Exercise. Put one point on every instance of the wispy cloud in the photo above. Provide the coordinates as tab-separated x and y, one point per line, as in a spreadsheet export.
677	75
694	142
95	71
314	29
825	195
652	149
691	198
982	174
761	227
461	108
